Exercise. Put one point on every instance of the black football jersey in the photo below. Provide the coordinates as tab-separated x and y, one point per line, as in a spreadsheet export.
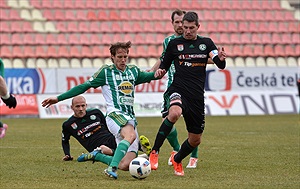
190	60
91	130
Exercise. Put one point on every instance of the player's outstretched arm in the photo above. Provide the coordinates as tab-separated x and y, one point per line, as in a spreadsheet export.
6	97
49	101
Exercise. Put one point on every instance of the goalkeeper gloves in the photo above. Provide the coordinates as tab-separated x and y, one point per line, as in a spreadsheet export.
11	101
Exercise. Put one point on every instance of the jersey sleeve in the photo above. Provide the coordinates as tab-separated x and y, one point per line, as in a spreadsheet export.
98	79
65	138
167	59
144	77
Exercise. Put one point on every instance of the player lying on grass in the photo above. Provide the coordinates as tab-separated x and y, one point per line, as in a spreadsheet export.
88	127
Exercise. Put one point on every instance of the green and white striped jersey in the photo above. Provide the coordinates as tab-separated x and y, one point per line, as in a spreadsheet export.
117	87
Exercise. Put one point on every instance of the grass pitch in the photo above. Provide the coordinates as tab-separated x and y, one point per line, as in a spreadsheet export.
237	152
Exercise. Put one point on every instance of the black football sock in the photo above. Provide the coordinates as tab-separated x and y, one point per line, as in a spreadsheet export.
162	134
184	151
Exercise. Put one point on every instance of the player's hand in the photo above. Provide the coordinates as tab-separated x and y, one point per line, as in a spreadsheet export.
49	101
11	102
160	73
67	158
221	53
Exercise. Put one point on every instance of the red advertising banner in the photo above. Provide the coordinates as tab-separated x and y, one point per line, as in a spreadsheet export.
26	105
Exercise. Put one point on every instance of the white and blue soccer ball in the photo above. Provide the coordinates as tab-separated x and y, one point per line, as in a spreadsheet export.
139	168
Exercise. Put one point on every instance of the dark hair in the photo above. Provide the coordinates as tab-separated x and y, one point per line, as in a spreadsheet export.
114	47
178	12
191	17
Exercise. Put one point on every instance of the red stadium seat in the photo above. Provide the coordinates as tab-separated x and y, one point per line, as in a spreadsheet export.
102	15
276	38
235	38
269	15
114	15
125	14
29	39
3	4
272	27
287	38
14	15
61	27
79	4
289	50
90	4
148	27
266	38
95	39
279	50
5	39
127	27
224	38
52	52
105	27
116	27
269	51
146	15
40	52
240	15
293	26
91	15
84	39
144	4
106	39
86	52
70	15
40	39
74	52
51	39
256	38
135	15
152	51
59	15
243	27
246	38
81	15
74	39
236	5
72	26
5	52
259	50
16	27
17	52
4	14
63	51
62	39
94	27
232	27
17	39
4	26
237	50
137	27
97	51
248	50
29	52
84	27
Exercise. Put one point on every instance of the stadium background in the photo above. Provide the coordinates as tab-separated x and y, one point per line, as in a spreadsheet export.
49	46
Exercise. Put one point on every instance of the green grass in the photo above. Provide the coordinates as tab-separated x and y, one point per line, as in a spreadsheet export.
237	152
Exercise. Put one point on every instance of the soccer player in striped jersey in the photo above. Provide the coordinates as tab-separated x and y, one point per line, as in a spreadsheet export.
117	81
6	97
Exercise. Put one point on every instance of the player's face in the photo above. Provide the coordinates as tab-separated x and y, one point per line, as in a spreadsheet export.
177	24
79	107
190	30
120	59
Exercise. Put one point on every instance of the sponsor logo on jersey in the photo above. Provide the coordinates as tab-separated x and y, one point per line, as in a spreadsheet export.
126	100
74	126
202	47
191	56
180	47
92	117
126	87
191	46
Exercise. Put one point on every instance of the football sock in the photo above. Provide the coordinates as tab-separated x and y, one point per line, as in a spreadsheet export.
194	153
173	139
184	151
163	132
103	158
119	153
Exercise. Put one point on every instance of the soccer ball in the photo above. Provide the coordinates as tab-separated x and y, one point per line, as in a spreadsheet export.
139	168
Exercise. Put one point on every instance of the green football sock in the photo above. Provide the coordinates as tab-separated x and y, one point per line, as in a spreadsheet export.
194	153
173	139
119	153
103	158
